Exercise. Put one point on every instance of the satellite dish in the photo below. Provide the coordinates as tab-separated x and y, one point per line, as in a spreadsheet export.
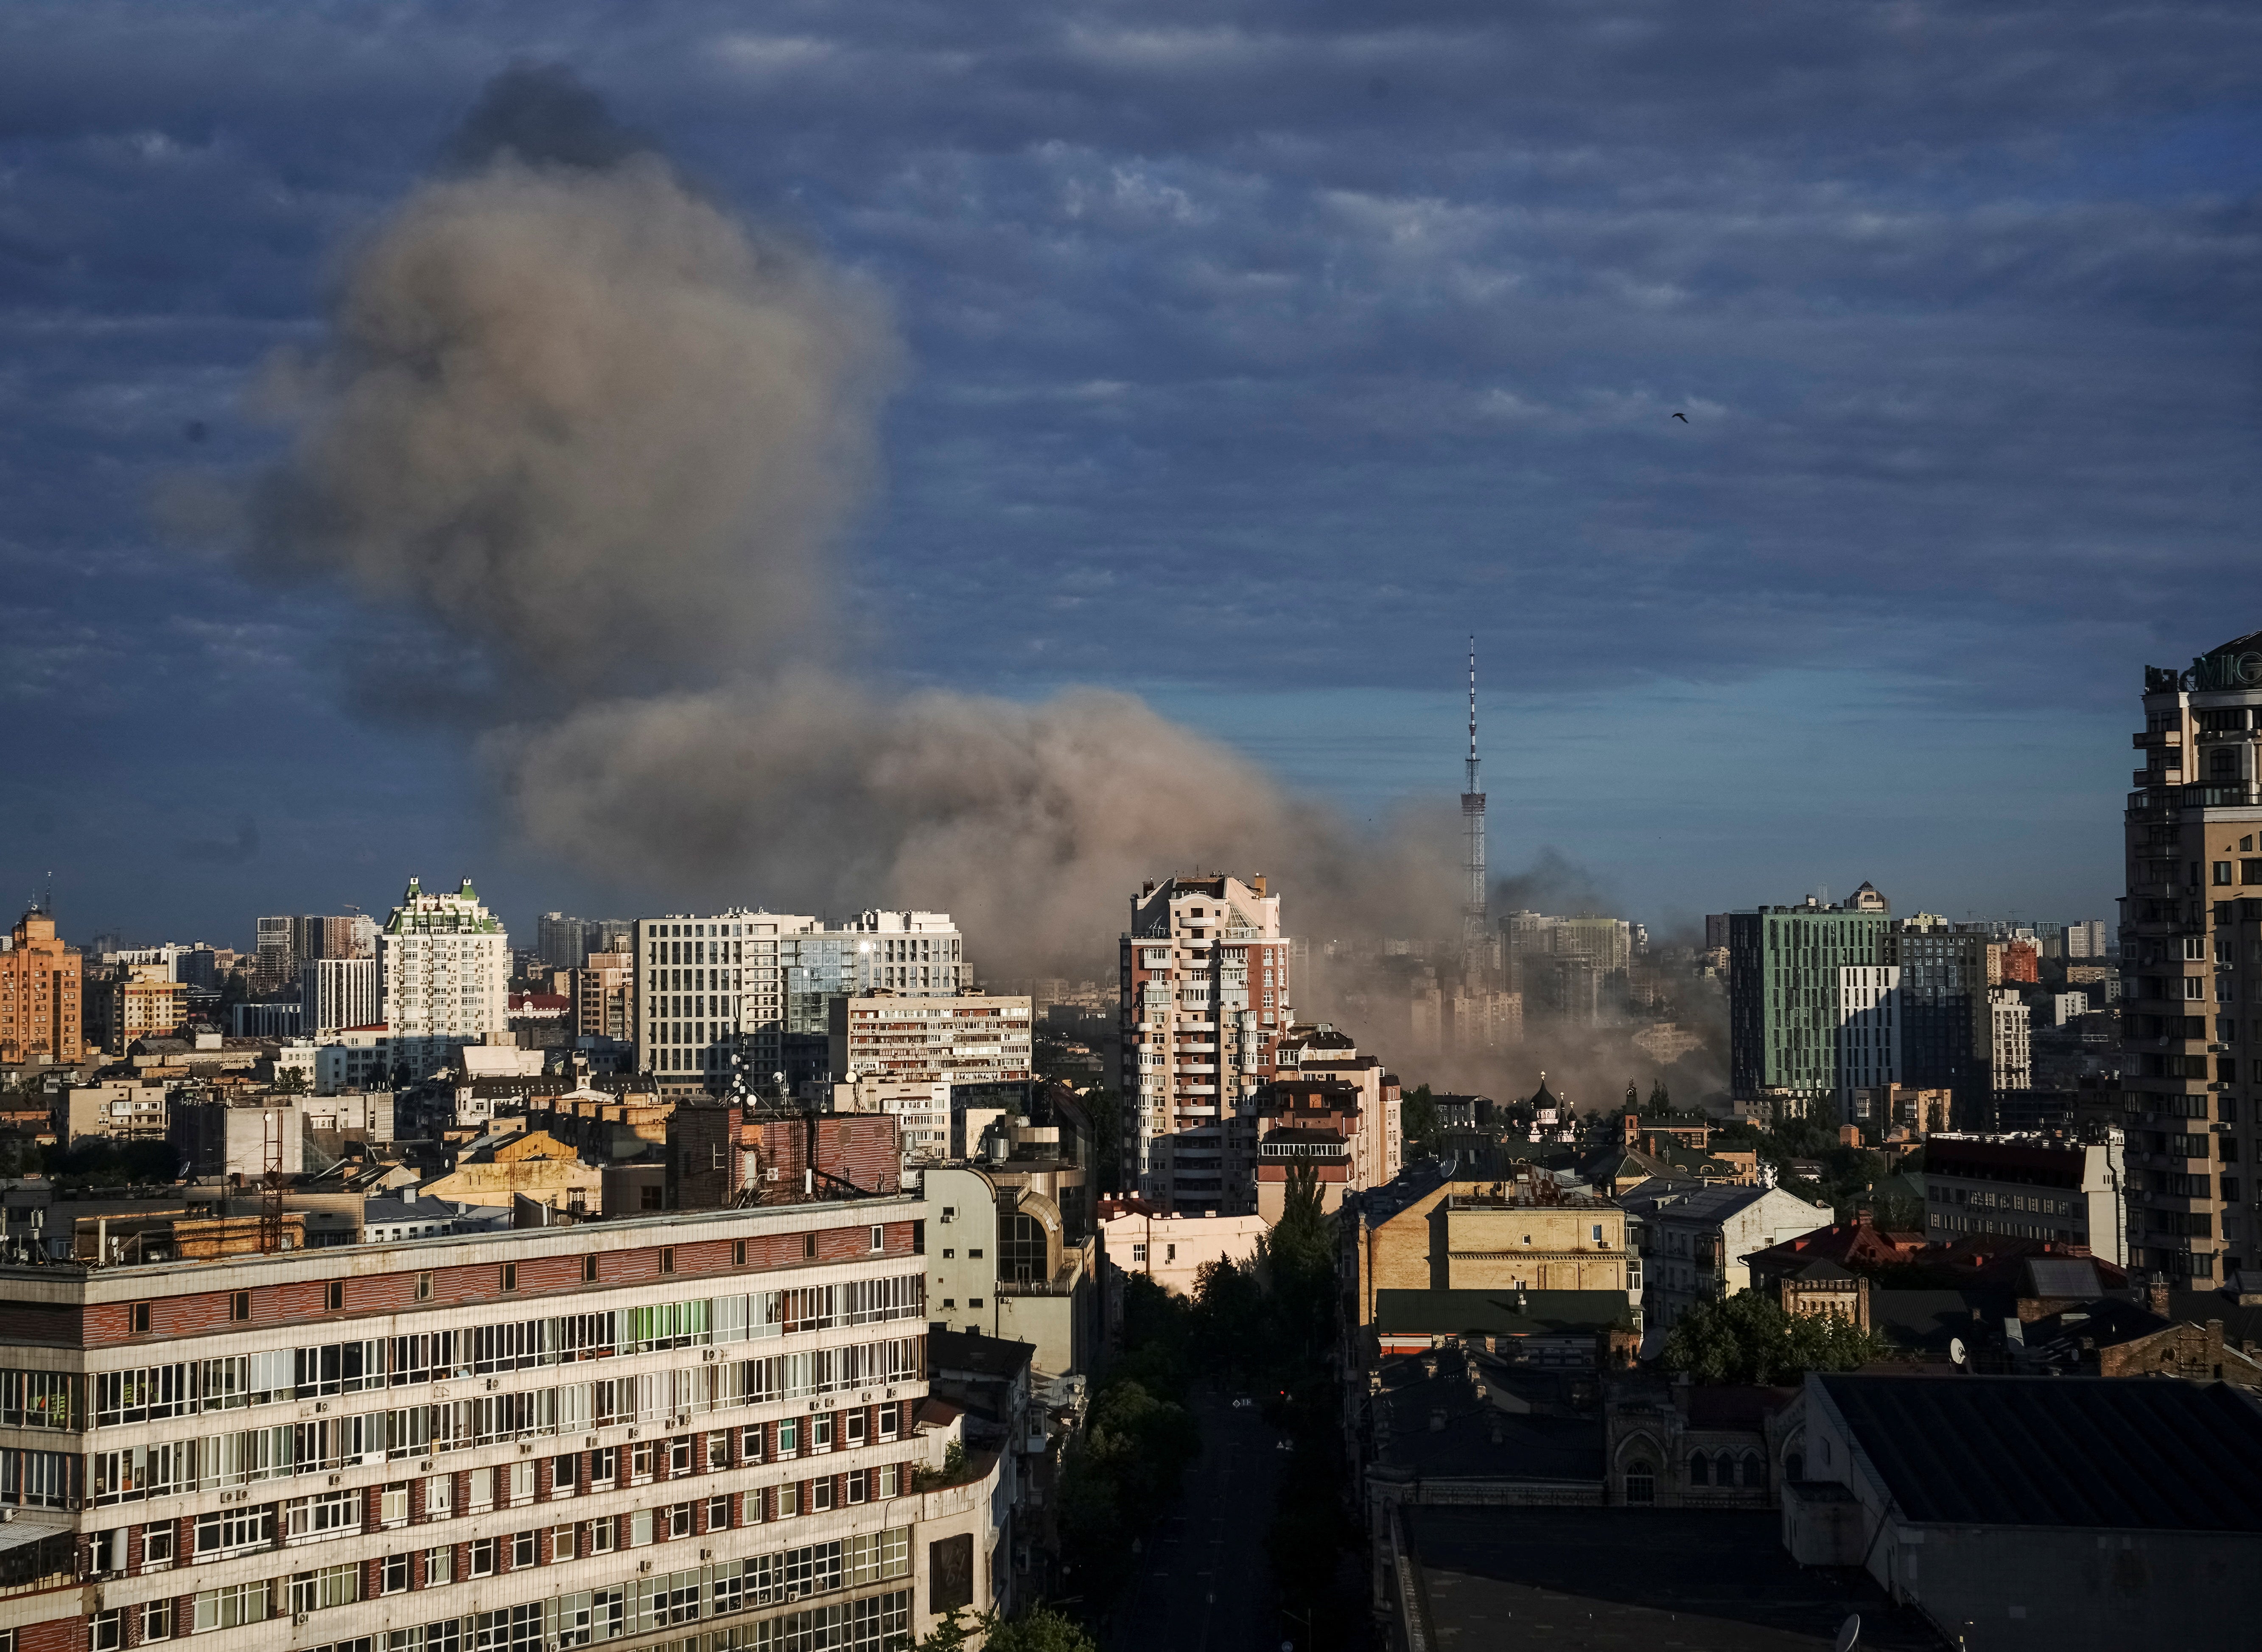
1955	1356
1848	1632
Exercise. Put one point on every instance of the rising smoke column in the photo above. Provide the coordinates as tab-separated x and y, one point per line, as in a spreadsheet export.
606	433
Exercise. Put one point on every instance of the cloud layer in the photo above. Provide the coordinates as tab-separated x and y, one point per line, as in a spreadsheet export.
1262	344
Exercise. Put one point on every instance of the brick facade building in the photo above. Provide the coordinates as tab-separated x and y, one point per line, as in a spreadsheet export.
690	1429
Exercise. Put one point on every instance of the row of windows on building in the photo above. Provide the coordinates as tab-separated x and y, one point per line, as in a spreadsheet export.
45	1399
1747	1470
636	1606
317	1518
248	1456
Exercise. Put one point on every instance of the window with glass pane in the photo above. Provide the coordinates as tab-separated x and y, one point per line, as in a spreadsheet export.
1022	1255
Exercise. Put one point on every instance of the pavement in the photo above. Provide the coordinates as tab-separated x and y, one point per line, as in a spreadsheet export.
1202	1583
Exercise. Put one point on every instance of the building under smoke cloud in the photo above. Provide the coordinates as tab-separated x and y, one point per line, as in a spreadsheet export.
1206	994
757	988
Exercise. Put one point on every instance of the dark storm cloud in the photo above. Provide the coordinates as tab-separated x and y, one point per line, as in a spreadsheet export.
231	851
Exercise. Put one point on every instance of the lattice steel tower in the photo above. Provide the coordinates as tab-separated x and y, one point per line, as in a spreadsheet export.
1476	925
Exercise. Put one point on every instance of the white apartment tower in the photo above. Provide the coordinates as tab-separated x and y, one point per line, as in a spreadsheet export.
444	966
760	984
1868	1030
336	994
1205	987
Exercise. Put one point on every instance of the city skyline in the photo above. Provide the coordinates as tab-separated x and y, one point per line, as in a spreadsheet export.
1899	532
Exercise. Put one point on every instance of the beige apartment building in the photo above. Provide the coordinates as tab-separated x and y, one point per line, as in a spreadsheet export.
120	1108
900	1056
604	997
137	1002
1205	992
1491	1235
39	994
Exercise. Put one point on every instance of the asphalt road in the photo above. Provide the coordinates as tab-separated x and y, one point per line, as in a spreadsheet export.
1202	1584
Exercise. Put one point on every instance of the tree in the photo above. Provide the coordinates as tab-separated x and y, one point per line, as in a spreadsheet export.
953	1471
1041	1629
1748	1337
1105	1110
1417	1120
955	1628
1661	1100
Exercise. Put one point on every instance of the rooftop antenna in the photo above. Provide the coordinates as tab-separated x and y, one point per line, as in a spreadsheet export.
1475	924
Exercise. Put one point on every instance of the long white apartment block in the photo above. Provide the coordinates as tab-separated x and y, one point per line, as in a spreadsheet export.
694	1431
761	982
1205	985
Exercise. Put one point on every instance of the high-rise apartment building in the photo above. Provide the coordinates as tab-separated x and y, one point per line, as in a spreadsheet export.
2084	938
604	996
336	994
275	955
1205	984
688	1432
1791	998
41	1014
1868	1031
348	936
131	1001
1947	1015
444	966
760	985
2191	964
288	943
894	1054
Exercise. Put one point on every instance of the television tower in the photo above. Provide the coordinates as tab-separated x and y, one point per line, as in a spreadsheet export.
1476	925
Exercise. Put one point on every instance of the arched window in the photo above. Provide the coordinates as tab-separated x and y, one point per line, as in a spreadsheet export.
1700	1469
1642	1484
1755	1471
1022	1256
1726	1475
1794	1466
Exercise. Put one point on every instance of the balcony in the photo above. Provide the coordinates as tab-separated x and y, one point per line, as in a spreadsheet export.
2150	739
2232	795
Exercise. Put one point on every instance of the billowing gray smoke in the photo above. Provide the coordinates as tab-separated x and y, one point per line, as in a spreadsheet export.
593	425
581	417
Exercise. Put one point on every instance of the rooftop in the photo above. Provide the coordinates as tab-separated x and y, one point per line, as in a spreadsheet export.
955	1353
1705	1580
1449	1424
1511	1313
2125	1452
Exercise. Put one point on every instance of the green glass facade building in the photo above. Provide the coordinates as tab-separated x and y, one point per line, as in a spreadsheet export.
1785	994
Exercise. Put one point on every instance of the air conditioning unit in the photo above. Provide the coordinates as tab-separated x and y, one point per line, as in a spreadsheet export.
706	1553
337	1479
320	1406
643	1566
707	1355
493	1383
300	1616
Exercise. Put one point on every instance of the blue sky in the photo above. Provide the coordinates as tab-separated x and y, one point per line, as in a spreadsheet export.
1256	356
